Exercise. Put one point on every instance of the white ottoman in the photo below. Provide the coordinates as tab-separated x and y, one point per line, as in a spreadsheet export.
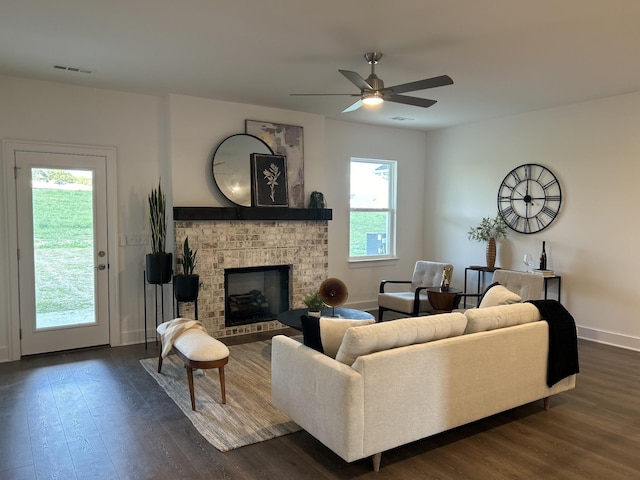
197	349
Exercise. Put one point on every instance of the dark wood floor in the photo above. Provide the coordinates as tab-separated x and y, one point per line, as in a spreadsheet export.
97	414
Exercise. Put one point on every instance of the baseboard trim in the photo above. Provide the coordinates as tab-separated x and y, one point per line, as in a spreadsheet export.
4	354
133	337
609	338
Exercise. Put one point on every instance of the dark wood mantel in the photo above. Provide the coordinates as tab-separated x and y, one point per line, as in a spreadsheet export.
249	213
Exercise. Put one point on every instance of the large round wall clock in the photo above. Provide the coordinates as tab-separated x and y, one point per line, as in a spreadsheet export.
529	198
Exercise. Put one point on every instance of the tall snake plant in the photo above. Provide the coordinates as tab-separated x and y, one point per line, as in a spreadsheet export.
188	258
157	220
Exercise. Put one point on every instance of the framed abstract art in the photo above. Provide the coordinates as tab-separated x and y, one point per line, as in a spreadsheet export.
287	140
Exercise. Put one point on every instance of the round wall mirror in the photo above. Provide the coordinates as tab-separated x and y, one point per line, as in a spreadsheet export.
232	166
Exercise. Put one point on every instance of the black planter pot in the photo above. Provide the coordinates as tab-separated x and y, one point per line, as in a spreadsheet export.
186	287
159	267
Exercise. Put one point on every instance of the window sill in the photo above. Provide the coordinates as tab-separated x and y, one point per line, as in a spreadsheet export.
369	261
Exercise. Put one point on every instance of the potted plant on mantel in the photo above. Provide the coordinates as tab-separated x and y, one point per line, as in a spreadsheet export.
186	284
159	262
314	303
488	231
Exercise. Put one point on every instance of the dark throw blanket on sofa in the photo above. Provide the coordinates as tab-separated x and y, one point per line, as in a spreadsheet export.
563	340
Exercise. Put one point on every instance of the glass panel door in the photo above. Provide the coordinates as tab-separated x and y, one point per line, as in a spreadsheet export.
63	259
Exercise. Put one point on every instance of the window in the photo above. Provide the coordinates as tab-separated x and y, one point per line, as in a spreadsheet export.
372	209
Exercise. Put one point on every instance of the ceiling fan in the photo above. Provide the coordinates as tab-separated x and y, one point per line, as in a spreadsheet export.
373	91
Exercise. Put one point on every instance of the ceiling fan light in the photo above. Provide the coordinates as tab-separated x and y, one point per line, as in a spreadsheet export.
372	98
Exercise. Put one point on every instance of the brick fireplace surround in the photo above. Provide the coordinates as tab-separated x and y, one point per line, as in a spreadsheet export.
302	244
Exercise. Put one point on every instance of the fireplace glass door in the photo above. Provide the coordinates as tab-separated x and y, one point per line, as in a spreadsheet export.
255	294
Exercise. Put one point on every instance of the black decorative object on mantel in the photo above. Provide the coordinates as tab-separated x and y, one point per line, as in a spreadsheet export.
317	204
246	213
316	200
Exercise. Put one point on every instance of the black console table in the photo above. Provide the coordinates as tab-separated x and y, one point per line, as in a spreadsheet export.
482	271
558	280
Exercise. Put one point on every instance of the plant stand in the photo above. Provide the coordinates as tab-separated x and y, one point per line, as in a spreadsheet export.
144	288
195	306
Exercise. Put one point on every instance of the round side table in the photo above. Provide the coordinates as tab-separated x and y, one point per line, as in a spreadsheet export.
442	300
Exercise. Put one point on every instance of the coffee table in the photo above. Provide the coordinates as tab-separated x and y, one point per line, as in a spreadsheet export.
291	318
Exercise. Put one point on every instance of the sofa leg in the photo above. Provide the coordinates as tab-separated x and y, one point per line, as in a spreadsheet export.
547	403
380	311
376	461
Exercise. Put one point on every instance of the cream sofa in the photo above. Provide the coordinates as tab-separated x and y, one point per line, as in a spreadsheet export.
414	377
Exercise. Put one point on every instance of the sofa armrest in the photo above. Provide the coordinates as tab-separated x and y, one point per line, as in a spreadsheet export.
384	282
323	396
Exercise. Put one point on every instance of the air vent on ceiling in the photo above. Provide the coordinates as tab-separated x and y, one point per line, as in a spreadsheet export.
402	119
72	69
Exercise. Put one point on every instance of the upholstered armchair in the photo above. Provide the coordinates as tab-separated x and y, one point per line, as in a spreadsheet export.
413	301
528	286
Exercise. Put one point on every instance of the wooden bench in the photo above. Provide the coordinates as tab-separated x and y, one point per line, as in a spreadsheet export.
197	349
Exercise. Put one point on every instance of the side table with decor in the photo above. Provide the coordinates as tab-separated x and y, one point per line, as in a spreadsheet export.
442	299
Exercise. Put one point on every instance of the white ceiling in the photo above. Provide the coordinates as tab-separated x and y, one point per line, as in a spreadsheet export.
505	56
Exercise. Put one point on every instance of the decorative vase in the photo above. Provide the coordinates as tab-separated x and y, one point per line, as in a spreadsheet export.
491	253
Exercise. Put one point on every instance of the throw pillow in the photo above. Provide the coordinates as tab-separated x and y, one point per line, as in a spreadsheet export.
325	334
497	295
359	341
486	290
492	318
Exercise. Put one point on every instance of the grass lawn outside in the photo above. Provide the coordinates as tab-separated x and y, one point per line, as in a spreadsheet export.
361	224
63	253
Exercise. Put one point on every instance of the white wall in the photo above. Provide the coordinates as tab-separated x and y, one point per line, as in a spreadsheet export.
343	141
58	113
198	125
593	148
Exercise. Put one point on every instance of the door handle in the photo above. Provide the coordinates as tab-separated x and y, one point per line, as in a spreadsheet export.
102	266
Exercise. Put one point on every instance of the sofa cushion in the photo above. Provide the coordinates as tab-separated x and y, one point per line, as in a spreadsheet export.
324	334
491	318
362	340
497	294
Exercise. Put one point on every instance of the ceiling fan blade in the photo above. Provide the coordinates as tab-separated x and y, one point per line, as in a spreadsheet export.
353	107
356	79
440	81
415	101
318	94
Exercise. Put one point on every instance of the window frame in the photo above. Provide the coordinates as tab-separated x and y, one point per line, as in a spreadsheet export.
391	210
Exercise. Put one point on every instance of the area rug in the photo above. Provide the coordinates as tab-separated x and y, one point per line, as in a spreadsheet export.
247	417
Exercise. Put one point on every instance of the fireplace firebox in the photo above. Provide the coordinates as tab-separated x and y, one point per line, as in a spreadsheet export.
255	294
